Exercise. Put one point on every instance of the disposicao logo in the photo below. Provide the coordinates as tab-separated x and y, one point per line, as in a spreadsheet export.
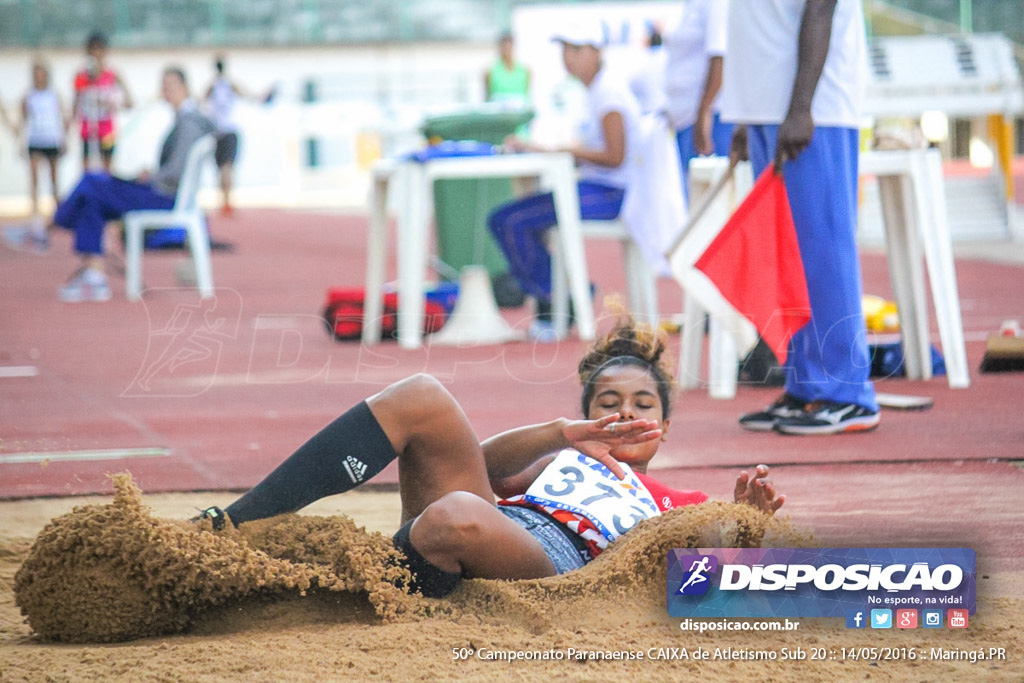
696	578
819	582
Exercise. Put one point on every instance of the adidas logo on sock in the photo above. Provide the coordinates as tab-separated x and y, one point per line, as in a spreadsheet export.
355	468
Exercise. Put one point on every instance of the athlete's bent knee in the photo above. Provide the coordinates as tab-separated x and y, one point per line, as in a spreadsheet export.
450	526
421	397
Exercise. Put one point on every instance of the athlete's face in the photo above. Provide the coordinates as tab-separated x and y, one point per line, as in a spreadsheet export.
631	392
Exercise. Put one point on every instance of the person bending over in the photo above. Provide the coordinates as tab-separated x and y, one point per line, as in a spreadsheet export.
568	487
100	197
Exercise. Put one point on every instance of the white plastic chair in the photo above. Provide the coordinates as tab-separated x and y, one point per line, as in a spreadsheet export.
914	214
185	214
652	215
641	279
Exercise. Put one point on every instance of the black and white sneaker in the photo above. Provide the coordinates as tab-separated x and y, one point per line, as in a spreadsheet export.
216	516
829	417
764	420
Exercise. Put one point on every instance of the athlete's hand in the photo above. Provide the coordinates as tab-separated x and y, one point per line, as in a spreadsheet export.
596	438
758	491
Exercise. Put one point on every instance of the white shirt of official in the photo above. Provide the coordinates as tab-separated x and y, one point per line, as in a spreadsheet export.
647	82
700	35
608	92
761	64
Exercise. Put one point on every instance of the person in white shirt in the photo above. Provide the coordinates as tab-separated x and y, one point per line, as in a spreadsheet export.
794	76
220	103
695	51
45	124
647	82
602	154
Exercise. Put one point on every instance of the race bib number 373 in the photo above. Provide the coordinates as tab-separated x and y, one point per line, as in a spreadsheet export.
583	485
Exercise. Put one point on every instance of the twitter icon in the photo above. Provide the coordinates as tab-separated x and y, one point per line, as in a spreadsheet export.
881	618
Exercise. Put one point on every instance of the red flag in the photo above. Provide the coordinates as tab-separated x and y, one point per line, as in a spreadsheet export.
755	263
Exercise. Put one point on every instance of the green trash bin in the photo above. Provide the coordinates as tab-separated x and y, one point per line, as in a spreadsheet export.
462	206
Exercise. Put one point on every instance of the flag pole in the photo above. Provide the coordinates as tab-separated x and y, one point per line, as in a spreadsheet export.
709	199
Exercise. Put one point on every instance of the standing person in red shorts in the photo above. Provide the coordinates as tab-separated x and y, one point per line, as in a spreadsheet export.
97	92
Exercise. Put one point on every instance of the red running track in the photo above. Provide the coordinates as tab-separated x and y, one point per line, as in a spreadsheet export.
232	400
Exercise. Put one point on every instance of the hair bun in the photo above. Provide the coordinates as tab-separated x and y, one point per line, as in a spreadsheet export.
627	338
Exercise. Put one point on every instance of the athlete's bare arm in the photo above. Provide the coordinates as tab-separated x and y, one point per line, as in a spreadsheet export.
515	458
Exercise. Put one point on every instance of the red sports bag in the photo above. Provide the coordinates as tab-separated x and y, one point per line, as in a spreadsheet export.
343	314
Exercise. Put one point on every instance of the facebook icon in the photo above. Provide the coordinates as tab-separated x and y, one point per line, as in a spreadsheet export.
856	618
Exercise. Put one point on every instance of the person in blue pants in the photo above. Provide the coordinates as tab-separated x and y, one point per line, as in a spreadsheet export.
100	197
794	74
520	227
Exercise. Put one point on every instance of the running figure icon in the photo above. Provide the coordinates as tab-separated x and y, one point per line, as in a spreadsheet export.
698	573
183	350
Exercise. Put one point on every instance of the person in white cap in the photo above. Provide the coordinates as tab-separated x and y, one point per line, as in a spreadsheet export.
602	153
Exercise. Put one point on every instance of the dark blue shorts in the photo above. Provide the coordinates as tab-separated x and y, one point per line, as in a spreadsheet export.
566	553
50	153
227	149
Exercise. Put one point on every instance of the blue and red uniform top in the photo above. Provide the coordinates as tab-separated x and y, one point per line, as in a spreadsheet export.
666	499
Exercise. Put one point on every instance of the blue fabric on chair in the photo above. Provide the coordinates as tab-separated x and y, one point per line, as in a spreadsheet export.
453	148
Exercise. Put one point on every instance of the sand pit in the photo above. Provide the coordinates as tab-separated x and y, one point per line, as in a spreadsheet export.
114	572
313	598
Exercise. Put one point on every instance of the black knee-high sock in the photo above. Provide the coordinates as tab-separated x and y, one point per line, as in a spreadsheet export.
428	579
339	457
